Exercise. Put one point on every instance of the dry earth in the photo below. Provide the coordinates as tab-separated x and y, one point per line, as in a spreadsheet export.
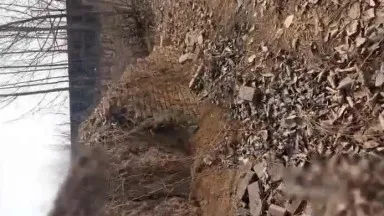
271	85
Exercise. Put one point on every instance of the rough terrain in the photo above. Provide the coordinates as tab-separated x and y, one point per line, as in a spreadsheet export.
263	86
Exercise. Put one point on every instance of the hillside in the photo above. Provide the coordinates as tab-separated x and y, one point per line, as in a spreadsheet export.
235	93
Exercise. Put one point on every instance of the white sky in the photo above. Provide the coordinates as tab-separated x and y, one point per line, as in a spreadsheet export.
30	169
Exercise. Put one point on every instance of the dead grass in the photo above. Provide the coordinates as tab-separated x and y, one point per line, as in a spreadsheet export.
144	172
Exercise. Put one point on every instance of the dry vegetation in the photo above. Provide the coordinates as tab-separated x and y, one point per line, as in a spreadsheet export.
287	81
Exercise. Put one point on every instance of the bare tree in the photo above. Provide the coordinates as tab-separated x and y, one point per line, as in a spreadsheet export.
32	46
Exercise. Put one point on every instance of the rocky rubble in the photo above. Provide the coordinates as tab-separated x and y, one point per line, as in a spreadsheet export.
320	95
261	190
295	106
329	186
293	101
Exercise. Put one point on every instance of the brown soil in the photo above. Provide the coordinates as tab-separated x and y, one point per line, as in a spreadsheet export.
213	190
213	185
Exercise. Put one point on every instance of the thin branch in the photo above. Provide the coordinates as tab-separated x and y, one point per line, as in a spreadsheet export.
37	66
35	84
33	71
32	81
32	51
11	24
18	94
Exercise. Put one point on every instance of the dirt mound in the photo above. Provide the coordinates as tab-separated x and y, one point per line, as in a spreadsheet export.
147	124
144	123
213	182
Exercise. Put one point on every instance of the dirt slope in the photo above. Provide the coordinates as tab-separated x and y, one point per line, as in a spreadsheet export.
289	81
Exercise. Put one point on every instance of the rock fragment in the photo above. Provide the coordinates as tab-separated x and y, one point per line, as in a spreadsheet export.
379	81
275	210
354	11
369	14
247	93
381	121
200	39
360	41
345	83
288	21
255	203
259	169
243	184
251	58
294	205
186	57
313	1
246	167
372	3
275	171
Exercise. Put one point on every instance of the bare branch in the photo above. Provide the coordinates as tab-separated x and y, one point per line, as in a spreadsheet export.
33	81
33	66
18	94
32	85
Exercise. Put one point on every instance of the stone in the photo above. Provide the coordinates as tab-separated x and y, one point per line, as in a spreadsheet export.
294	205
288	21
190	39
275	171
208	159
369	14
279	33
251	58
246	167
379	81
345	83
275	210
239	4
259	169
354	12
381	121
360	41
200	39
247	93
185	57
243	183
255	202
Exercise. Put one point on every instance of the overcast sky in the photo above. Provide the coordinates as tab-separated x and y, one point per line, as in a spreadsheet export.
30	169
